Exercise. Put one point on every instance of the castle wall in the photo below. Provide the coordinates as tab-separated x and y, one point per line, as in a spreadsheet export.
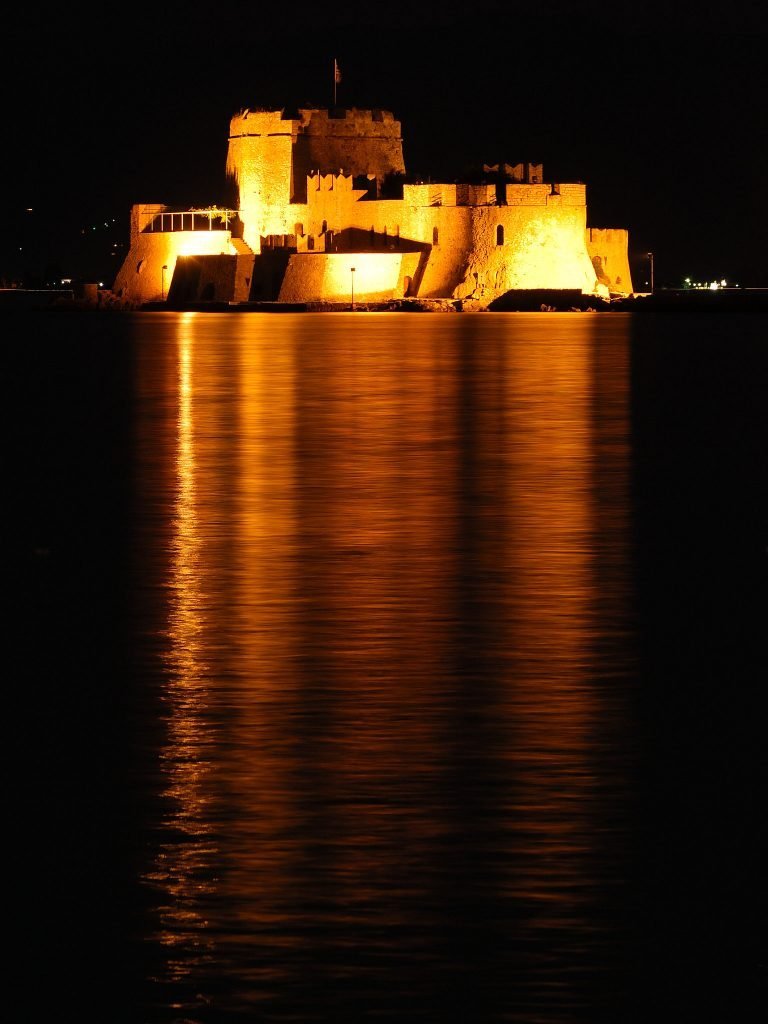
447	230
543	245
203	279
541	248
141	277
608	250
313	277
331	200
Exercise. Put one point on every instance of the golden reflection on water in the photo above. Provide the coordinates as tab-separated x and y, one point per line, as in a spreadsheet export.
395	569
551	704
183	864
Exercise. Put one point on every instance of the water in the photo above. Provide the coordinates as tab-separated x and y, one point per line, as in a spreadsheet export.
387	667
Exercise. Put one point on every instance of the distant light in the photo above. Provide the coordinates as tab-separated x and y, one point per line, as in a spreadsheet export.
687	280
30	209
714	286
101	284
66	280
723	283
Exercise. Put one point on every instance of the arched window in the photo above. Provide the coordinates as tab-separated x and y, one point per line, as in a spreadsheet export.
500	235
435	236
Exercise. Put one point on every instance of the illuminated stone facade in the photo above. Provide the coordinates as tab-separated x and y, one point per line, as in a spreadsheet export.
310	225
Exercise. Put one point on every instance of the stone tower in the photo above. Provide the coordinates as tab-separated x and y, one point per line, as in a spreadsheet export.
270	156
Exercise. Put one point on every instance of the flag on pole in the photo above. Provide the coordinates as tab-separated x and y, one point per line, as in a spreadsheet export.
336	72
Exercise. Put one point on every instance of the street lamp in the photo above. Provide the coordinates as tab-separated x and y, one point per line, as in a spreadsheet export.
165	267
352	273
650	258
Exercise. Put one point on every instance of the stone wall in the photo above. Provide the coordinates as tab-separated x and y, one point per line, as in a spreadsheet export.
259	161
313	277
526	248
607	249
527	195
203	279
270	158
141	277
542	241
357	142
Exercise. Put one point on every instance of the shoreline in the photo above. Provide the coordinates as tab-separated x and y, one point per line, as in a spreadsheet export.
533	301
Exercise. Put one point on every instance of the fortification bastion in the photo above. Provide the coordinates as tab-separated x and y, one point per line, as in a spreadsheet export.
309	220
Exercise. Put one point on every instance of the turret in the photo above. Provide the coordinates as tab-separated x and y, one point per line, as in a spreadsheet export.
270	156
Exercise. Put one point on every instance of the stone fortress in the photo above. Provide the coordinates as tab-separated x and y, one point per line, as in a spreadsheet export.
312	225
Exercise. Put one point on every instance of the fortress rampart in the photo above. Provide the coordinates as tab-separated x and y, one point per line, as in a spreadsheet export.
149	267
608	250
308	189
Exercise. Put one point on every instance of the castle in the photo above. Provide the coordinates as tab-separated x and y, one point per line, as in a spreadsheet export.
312	225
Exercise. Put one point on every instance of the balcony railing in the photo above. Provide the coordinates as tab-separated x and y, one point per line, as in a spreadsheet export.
214	218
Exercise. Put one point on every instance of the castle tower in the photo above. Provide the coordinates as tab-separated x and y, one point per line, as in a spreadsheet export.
260	161
357	142
270	156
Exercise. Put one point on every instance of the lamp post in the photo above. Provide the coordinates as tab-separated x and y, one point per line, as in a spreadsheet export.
352	274
162	286
650	258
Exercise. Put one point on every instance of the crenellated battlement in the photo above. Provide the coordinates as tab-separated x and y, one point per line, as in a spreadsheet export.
344	122
523	173
449	194
250	123
330	183
350	121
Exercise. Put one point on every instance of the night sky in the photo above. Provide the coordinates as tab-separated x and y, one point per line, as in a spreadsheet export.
661	113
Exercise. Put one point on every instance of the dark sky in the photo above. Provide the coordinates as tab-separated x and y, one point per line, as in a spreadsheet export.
661	112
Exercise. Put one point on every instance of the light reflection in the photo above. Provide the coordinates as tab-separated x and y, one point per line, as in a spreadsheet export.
182	871
561	723
550	519
396	566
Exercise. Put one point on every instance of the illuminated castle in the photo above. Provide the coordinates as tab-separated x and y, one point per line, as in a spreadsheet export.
311	224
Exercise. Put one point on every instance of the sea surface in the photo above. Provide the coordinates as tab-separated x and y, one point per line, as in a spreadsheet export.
386	667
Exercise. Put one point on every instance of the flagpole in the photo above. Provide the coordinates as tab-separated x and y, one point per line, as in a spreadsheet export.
335	79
